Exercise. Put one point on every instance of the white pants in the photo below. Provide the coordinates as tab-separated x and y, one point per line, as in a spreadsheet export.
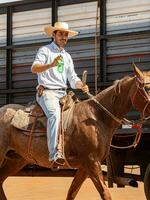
49	102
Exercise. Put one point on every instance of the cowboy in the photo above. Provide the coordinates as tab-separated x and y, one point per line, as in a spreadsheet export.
54	66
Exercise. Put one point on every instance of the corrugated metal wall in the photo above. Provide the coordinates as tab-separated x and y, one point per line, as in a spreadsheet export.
3	29
21	70
2	69
2	54
123	19
127	17
28	25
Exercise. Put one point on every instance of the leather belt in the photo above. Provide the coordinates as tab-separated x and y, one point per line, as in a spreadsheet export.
62	89
41	88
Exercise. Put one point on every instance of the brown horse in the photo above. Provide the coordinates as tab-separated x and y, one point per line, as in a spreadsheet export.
87	141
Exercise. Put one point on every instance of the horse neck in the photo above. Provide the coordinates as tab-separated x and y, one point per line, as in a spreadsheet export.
116	98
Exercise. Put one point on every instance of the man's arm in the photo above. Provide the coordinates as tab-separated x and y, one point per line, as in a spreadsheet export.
38	68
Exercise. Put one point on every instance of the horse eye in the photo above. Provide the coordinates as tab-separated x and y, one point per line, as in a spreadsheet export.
147	89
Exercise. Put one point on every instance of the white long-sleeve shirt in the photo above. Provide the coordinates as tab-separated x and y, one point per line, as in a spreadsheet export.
52	78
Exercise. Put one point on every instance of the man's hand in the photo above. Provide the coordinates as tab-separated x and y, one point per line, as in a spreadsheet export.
82	86
85	88
54	63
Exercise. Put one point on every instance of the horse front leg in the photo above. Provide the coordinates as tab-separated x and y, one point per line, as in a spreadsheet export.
95	173
79	178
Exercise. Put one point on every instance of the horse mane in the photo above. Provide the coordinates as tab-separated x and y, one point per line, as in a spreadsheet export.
116	83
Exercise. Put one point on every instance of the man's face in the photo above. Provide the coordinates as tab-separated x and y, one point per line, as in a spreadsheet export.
60	38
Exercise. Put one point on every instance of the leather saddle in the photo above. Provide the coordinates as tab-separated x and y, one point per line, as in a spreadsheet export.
34	116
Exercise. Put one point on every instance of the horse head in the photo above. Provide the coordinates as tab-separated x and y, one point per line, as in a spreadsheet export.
134	91
140	95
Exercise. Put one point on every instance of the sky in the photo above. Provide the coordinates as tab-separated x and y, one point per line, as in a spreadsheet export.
6	1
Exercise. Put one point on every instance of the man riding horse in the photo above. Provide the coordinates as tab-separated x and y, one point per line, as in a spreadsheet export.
54	66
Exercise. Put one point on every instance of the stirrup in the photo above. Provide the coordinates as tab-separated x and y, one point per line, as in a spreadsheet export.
59	159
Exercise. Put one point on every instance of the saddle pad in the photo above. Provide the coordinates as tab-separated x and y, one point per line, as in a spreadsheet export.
24	121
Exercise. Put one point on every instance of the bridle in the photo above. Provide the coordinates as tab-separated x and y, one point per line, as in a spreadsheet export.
140	89
143	91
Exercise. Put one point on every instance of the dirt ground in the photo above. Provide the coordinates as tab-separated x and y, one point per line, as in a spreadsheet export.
46	188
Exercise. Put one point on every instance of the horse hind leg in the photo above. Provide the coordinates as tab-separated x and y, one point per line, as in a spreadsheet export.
11	167
95	173
79	178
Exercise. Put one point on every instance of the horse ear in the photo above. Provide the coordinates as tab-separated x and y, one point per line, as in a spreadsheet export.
138	73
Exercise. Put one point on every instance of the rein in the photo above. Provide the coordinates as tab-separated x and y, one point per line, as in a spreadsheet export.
124	121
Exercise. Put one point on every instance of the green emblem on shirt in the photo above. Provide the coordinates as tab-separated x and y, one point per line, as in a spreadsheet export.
60	65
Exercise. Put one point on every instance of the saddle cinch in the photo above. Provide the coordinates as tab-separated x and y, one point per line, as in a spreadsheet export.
33	119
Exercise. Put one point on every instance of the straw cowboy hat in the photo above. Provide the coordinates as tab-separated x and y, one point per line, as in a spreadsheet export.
59	26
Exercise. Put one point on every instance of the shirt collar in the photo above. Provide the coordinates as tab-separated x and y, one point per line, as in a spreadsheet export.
55	47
